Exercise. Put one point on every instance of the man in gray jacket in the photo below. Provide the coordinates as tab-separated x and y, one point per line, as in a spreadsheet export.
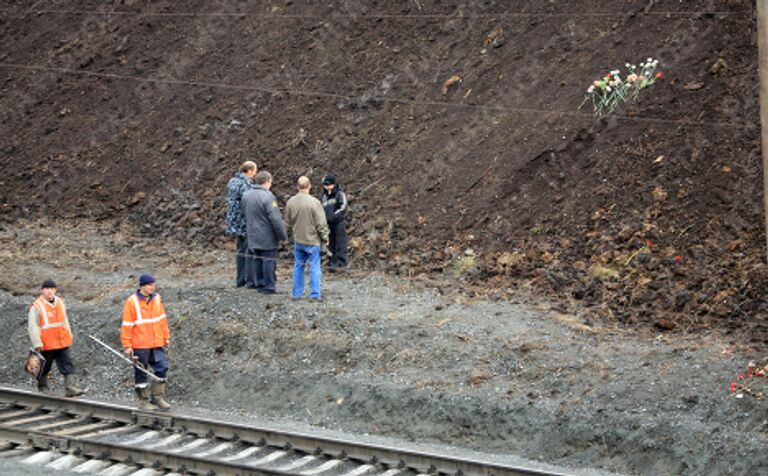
265	232
305	217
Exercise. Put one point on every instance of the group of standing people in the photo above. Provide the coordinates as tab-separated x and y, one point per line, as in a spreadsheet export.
144	335
254	218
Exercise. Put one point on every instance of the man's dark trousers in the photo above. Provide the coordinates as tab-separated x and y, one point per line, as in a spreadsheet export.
264	265
244	278
63	361
337	245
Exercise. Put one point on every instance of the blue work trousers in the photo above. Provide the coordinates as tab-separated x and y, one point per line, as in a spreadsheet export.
154	359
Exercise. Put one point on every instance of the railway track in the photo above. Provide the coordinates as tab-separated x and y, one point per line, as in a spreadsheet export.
112	440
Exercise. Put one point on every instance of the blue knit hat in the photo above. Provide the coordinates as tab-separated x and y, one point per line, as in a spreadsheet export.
146	278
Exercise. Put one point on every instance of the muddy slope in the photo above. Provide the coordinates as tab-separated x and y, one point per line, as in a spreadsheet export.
127	111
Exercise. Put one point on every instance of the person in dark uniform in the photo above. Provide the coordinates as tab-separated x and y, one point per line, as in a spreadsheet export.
265	231
335	205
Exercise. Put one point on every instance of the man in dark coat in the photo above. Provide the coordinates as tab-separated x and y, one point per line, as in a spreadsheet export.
335	205
265	231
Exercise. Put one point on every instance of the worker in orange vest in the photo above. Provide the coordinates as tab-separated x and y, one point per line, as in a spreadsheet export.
51	335
145	338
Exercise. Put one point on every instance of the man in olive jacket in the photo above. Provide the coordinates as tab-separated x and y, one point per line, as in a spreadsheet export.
305	216
265	232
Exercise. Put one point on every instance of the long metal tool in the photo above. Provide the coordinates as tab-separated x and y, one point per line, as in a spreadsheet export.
136	364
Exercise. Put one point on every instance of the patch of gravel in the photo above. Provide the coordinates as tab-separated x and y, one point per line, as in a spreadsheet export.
412	359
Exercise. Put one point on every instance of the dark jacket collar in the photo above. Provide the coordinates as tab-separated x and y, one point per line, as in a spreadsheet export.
142	297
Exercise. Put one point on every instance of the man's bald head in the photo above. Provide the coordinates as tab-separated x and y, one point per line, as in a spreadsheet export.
303	183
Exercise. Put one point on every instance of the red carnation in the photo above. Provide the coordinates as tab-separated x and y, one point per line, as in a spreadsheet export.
659	74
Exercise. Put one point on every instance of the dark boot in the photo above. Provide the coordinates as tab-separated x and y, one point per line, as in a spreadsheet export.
42	385
70	387
158	394
142	393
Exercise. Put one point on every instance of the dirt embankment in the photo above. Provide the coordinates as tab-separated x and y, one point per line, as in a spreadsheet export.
404	357
143	114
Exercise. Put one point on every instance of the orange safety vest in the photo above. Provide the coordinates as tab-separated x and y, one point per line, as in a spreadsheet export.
144	323
53	331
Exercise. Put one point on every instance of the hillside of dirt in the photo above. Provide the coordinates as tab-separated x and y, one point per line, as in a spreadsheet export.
136	112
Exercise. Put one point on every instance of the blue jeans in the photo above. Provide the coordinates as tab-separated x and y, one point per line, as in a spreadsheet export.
301	255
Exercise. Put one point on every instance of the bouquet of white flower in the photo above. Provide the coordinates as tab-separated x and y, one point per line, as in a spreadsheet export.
611	90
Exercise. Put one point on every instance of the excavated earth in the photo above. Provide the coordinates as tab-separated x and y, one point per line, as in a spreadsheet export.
128	110
525	278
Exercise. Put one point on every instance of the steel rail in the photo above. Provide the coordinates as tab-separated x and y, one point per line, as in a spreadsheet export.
142	456
418	461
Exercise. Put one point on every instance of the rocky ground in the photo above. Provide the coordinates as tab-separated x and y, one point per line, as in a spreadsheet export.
428	360
559	287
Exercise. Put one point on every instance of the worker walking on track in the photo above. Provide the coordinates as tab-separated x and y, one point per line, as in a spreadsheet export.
51	335
145	337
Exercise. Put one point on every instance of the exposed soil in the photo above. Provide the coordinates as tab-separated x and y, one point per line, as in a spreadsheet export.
479	204
401	357
501	165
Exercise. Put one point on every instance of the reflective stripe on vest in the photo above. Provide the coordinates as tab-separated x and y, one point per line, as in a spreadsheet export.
46	323
54	333
139	319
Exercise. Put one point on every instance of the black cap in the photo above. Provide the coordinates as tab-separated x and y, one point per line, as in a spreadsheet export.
48	283
329	179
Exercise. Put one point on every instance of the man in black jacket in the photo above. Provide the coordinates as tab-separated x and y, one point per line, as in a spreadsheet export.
335	204
265	232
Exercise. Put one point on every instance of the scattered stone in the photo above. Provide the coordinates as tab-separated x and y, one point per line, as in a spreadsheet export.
479	376
453	80
664	324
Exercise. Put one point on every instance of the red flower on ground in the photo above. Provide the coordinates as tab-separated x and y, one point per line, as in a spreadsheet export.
733	387
649	243
741	376
678	258
659	75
